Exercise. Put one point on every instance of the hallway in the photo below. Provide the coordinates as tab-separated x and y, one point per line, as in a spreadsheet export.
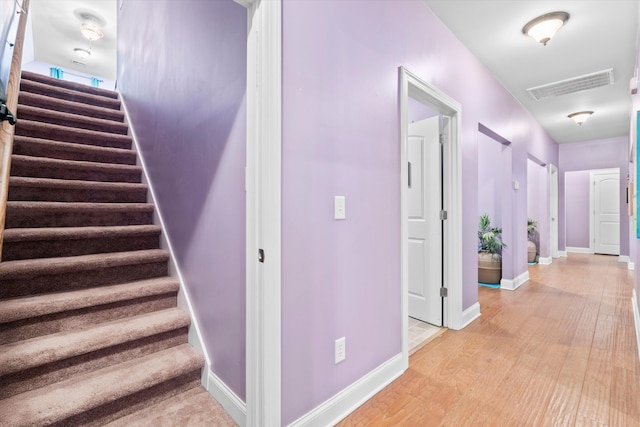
559	351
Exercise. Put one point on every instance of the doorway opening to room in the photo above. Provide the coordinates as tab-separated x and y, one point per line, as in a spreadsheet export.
431	224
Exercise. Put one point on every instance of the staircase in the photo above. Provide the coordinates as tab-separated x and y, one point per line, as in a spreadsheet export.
89	329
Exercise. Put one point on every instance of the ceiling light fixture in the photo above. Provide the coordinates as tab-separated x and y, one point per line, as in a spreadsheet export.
82	53
91	31
580	117
544	27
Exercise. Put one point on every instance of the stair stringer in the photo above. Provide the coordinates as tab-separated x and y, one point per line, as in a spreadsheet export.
232	404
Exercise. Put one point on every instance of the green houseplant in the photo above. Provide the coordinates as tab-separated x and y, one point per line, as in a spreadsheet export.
532	249
490	247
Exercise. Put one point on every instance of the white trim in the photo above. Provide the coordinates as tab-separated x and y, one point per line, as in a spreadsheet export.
545	260
264	154
184	300
470	314
553	211
575	250
232	404
512	285
245	3
348	400
562	254
420	90
624	258
636	318
631	266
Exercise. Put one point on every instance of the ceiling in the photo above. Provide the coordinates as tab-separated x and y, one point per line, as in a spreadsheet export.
56	32
599	35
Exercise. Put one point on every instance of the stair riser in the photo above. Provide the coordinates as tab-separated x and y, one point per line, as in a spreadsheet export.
73	319
62	248
57	104
76	195
135	402
29	129
73	96
85	174
72	122
26	148
80	279
23	218
41	376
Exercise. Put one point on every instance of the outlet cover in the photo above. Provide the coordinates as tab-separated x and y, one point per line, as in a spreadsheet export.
340	350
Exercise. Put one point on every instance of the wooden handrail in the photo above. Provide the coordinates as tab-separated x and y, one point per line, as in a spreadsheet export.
7	131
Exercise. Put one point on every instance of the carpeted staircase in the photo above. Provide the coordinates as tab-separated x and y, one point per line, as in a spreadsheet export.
89	329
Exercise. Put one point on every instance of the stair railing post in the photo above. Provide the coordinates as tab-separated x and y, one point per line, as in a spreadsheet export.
7	130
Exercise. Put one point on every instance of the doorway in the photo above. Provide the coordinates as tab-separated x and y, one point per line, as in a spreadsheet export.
553	211
605	211
437	199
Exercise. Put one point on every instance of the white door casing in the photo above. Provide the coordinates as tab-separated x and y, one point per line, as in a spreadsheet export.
553	210
605	211
424	225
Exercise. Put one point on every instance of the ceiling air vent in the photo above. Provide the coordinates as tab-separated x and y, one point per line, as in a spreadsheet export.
572	85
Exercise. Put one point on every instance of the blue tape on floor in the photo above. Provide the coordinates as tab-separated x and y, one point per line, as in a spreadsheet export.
489	285
532	263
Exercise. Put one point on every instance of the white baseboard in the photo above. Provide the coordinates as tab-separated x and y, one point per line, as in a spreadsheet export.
232	404
545	260
470	314
342	404
623	258
512	285
562	254
631	265
575	250
636	318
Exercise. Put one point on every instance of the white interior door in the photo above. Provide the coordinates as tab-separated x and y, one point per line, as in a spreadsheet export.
424	225
553	208
606	212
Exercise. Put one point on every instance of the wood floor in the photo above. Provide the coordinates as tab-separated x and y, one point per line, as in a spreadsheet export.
558	351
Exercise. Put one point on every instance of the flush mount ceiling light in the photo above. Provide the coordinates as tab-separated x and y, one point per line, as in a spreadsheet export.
580	117
91	31
544	27
82	53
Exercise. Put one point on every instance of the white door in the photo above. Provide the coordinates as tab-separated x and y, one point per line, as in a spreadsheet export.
553	208
606	212
424	225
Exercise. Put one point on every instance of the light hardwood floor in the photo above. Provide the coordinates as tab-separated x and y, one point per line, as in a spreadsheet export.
558	351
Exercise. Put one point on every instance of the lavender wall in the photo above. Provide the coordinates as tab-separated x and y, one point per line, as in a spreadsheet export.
490	179
576	186
598	154
341	137
183	77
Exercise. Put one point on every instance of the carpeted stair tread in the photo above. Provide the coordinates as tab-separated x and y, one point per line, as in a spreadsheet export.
27	112
31	76
41	305
73	233
193	408
69	94
65	399
71	190
37	147
57	104
35	129
25	269
43	167
51	348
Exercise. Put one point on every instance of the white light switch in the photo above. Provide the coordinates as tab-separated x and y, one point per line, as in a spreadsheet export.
339	208
516	185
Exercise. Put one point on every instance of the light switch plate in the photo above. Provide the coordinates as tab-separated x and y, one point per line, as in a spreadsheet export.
339	208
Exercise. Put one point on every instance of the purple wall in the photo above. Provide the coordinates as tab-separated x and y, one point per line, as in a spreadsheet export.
341	137
490	179
576	185
599	154
418	111
183	77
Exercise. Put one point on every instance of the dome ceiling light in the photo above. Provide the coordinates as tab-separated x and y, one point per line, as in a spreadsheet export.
91	31
543	28
580	117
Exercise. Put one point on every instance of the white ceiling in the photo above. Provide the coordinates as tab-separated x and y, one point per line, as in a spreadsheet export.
56	32
599	35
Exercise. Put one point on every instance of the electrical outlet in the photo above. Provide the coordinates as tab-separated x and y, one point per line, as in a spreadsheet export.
340	350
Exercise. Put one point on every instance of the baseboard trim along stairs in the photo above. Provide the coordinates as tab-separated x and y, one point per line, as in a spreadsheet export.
90	332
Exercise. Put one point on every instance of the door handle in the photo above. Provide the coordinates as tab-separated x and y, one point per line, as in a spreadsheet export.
409	171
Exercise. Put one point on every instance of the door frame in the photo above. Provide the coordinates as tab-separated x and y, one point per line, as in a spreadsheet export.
553	208
414	87
592	206
263	197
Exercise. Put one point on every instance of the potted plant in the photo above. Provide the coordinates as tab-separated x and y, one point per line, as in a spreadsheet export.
532	248
489	252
